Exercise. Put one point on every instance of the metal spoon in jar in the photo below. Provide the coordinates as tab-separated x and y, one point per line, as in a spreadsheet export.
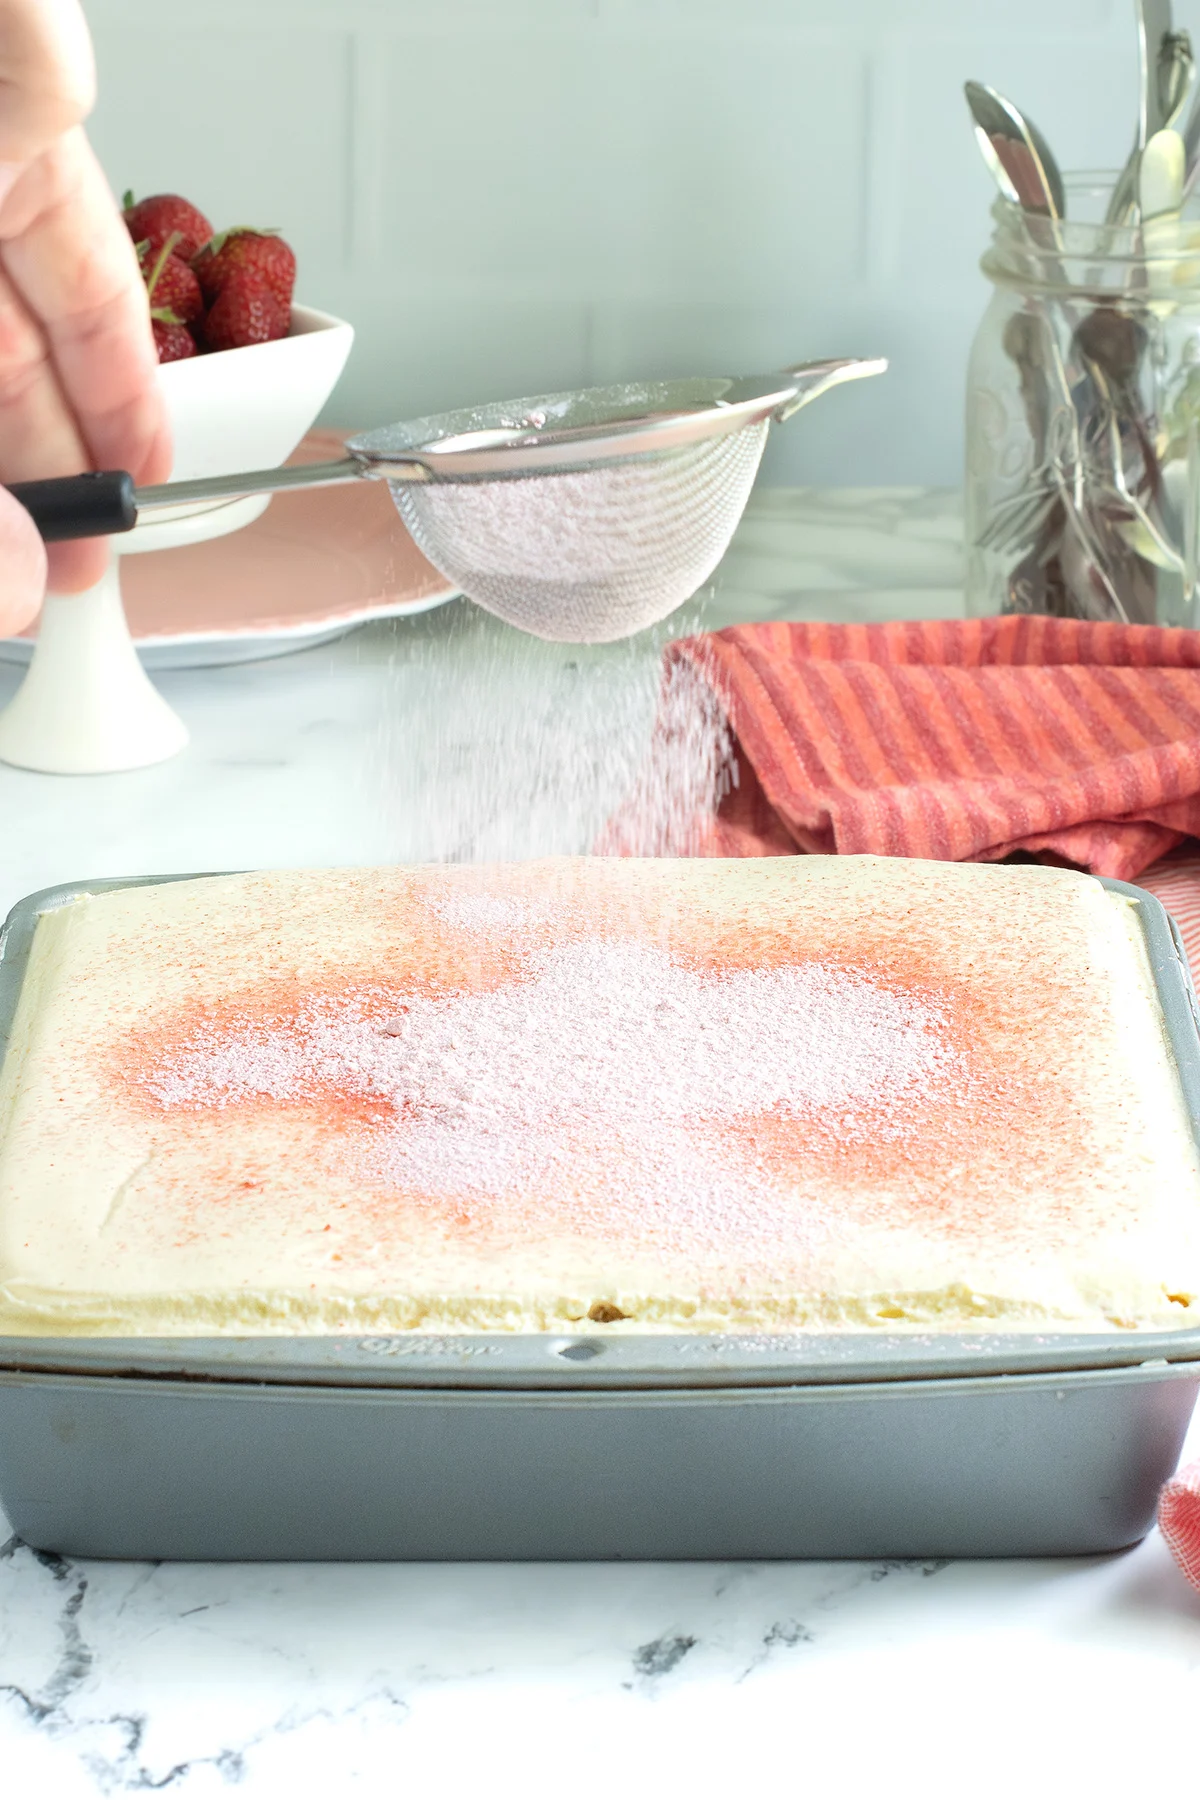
1020	159
1025	171
1166	75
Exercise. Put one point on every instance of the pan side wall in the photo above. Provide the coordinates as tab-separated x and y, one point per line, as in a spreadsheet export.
1032	1466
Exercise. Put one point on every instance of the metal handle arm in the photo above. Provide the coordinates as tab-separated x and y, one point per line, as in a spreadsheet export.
106	502
817	378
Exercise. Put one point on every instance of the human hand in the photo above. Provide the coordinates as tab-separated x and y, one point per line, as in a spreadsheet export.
78	368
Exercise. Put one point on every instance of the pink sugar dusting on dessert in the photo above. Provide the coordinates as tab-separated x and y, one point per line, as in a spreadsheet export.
605	1090
615	1032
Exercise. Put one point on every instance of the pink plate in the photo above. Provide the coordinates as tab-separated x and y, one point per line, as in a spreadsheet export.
315	564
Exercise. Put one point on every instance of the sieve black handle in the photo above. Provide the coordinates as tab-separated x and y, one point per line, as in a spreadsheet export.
80	506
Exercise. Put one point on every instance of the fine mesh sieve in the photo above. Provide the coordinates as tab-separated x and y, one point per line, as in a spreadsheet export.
582	517
628	508
591	554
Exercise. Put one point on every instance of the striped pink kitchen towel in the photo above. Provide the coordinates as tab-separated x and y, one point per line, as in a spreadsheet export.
1179	1520
963	739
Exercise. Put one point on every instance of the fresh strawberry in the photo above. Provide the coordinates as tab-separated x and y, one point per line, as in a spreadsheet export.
173	340
246	311
152	221
176	290
242	249
173	290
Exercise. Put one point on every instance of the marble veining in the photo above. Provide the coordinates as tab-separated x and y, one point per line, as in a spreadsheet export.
424	738
120	1678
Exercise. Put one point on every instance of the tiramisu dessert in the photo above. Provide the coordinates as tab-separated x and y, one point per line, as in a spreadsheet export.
795	1093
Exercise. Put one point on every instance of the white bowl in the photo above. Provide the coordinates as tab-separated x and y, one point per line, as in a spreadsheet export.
241	409
86	705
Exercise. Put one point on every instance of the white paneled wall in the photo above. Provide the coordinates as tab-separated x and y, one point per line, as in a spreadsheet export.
513	195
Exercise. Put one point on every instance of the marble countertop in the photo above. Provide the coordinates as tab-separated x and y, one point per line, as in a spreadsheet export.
447	735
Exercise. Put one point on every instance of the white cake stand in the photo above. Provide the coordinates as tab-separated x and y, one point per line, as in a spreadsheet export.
86	705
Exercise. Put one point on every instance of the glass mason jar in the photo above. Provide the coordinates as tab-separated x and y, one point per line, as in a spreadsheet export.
1083	417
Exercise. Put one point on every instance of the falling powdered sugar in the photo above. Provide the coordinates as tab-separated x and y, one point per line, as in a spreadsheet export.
604	1090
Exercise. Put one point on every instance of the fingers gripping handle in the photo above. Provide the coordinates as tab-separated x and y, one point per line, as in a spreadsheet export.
79	506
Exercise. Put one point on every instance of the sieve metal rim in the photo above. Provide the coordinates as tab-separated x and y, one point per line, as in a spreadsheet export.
490	451
683	412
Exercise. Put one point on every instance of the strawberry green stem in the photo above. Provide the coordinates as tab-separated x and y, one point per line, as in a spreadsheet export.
219	239
160	265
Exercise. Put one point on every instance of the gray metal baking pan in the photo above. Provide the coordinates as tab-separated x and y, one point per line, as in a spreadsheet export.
590	1445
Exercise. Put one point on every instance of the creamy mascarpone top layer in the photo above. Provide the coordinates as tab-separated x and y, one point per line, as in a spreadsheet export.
796	1092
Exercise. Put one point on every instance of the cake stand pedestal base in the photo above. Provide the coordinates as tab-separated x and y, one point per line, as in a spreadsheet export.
86	705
